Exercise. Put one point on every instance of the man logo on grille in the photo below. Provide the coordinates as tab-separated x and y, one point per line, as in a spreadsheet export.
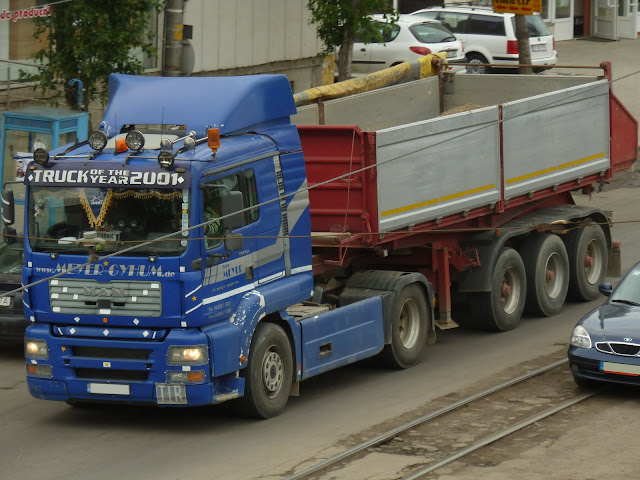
103	292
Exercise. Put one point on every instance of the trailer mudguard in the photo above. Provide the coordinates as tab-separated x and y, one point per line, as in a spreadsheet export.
488	244
387	285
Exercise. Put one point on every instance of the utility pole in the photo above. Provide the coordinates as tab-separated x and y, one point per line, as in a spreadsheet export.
173	34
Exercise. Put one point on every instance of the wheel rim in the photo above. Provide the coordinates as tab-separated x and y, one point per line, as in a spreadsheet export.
593	262
554	275
272	372
510	290
409	323
476	67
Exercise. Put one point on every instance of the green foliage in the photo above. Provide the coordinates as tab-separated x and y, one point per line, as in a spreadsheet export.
89	40
337	21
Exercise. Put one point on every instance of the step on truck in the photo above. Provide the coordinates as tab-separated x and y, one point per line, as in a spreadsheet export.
200	247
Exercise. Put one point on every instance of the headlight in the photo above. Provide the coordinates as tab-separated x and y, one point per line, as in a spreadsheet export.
165	159
188	355
580	337
41	156
36	349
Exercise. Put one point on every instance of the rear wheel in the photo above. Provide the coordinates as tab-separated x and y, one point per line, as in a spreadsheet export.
409	329
547	266
476	60
587	250
501	308
268	374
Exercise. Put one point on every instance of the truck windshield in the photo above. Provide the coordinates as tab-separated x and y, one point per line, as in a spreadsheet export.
124	217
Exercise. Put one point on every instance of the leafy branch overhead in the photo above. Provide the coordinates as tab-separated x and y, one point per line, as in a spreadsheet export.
89	40
339	21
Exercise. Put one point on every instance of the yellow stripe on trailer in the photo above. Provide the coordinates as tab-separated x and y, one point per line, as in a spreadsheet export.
553	169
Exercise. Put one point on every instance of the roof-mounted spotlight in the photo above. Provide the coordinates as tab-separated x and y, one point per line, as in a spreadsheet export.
165	159
97	140
135	140
41	156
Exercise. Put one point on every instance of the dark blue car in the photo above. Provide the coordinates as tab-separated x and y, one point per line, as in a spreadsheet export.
605	344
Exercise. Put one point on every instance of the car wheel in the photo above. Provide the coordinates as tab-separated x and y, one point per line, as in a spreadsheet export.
476	60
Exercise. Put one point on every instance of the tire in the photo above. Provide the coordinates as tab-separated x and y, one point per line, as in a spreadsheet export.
547	265
500	309
411	319
476	58
587	250
268	375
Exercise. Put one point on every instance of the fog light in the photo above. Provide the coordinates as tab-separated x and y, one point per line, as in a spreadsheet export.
97	140
36	349
135	140
188	355
42	370
196	376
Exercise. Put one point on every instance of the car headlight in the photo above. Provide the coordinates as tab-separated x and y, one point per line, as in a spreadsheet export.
36	349
188	355
580	337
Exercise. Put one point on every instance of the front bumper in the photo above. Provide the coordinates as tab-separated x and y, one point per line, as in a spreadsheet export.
590	364
123	371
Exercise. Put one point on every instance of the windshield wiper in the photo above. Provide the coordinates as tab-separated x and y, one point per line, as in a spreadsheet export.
628	302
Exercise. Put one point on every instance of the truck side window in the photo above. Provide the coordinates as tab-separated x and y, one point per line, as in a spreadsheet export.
244	182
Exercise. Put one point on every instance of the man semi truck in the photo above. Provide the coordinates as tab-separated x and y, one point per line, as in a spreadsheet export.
299	249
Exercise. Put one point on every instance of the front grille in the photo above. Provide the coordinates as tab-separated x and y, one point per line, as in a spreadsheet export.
109	374
625	349
119	298
111	353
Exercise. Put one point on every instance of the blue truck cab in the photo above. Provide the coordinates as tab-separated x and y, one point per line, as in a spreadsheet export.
168	258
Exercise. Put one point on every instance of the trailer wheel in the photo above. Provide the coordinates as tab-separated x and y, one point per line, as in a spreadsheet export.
587	250
547	265
500	309
408	329
268	374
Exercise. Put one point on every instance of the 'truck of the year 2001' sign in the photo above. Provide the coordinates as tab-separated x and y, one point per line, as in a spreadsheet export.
519	7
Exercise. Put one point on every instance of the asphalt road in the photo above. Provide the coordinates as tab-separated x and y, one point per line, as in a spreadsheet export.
50	440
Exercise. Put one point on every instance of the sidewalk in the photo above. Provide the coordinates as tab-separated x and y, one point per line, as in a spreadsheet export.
624	56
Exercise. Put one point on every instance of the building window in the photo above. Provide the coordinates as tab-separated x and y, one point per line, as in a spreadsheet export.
563	9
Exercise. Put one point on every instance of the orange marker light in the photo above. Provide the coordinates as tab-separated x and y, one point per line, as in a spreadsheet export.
121	145
105	320
243	359
195	376
213	138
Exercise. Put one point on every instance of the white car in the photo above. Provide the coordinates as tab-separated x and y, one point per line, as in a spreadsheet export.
490	37
408	39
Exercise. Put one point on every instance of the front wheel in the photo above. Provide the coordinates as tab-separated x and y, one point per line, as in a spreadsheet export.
269	373
477	60
408	329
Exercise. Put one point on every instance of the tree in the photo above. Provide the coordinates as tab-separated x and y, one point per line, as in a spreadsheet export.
89	40
522	34
338	22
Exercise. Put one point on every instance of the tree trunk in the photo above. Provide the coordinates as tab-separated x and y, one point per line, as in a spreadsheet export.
345	54
522	34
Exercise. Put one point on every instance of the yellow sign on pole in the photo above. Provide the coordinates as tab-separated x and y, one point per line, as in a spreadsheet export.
519	7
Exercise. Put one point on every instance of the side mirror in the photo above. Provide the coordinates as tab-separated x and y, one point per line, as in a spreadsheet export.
230	203
8	207
605	289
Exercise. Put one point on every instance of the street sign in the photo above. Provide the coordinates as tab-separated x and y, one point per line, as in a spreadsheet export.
519	7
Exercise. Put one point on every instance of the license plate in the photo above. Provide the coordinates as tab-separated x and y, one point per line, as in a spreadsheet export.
620	368
539	48
452	53
171	394
108	389
5	301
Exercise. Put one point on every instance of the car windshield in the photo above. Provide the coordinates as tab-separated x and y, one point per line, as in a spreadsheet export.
536	26
123	217
628	291
431	33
